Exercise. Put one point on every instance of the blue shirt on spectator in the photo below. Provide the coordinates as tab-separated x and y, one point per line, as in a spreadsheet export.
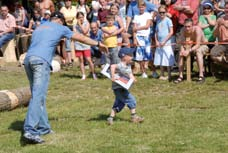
45	39
94	49
134	10
98	36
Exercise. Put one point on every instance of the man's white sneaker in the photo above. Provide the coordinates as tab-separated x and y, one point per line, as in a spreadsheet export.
34	139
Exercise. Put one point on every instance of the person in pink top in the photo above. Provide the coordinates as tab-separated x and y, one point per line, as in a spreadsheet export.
187	9
7	25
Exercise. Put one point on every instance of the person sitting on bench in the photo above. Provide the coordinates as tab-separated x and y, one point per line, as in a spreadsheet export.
7	25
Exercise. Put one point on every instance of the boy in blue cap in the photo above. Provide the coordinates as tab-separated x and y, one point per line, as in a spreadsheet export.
122	95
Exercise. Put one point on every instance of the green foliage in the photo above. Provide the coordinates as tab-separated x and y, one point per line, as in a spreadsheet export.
183	118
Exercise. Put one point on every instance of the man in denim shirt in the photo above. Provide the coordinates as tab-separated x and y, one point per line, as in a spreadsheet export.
38	65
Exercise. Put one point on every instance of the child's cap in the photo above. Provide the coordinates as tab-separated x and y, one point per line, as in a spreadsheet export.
126	51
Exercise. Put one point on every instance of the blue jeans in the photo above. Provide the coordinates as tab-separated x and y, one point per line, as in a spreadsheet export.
5	38
96	53
123	97
38	73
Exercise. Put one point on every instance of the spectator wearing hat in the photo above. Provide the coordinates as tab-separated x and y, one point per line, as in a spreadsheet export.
37	65
123	96
207	21
47	15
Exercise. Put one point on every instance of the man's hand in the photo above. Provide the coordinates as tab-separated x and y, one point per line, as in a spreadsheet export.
184	53
135	42
103	48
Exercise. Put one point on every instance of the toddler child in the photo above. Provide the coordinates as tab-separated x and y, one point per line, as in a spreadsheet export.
123	96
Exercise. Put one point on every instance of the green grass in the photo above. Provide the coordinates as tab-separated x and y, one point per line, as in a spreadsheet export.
183	118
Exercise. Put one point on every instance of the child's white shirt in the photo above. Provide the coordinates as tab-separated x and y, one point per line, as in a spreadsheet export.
141	20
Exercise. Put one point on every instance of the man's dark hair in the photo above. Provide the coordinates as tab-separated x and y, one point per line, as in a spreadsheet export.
188	20
59	15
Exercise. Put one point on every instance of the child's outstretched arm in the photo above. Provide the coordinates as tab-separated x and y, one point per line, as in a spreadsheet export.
132	77
113	70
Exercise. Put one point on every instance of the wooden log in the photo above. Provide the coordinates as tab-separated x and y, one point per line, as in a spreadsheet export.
11	99
188	61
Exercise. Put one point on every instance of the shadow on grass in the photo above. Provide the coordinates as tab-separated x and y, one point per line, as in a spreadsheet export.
18	126
69	76
220	77
103	117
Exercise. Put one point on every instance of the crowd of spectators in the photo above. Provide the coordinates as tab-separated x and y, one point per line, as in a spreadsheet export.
154	27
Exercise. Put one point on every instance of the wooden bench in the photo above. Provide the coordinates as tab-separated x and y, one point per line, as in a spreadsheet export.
8	51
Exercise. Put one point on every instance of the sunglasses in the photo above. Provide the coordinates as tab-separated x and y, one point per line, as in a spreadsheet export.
162	12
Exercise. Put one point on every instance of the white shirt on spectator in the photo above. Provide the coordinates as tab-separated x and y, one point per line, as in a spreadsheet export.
141	20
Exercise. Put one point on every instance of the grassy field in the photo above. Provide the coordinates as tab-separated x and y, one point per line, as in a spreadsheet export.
183	118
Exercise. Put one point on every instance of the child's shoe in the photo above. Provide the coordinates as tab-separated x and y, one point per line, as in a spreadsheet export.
137	119
144	75
110	120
